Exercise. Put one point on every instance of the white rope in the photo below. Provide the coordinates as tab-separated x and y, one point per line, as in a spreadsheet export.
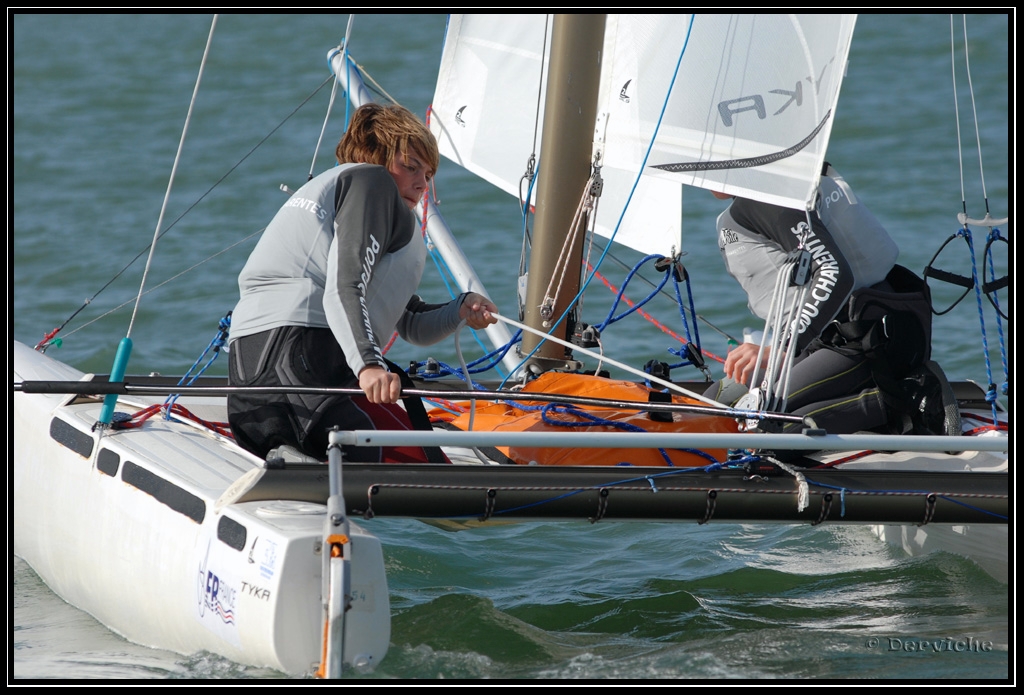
170	182
771	325
327	116
561	268
974	108
956	108
783	325
780	332
626	367
469	385
803	491
784	351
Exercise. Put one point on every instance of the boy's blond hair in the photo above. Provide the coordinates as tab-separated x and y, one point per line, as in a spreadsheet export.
378	133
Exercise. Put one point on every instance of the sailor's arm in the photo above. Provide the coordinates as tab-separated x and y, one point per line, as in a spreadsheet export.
369	212
426	324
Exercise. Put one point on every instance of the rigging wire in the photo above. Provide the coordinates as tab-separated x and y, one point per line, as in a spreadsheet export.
956	110
49	338
529	176
540	86
622	214
334	94
620	294
622	264
170	182
561	269
665	384
994	234
124	348
974	108
165	282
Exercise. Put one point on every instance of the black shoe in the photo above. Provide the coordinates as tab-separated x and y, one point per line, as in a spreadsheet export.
933	406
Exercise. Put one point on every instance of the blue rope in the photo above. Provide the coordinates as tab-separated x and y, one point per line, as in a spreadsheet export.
682	312
693	312
492	358
650	479
218	342
447	277
670	271
612	318
990	394
625	481
994	235
686	324
842	490
447	370
593	421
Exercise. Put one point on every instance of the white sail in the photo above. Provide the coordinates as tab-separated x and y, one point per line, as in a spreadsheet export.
487	115
742	104
488	101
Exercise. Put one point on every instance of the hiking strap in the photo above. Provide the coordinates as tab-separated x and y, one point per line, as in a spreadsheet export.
417	413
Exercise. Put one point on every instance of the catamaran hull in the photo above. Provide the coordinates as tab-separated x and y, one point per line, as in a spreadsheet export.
986	546
126	527
175	538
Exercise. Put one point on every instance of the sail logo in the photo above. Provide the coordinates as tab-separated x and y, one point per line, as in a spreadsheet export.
757	103
458	117
622	92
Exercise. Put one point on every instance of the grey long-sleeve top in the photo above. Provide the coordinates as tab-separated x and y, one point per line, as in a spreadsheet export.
343	253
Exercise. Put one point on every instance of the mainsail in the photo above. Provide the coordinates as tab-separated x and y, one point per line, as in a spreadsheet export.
487	114
741	104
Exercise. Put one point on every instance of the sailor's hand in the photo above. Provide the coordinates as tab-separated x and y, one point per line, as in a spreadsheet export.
476	311
740	362
380	385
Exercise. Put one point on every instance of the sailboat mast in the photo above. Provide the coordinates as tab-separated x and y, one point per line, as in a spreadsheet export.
574	75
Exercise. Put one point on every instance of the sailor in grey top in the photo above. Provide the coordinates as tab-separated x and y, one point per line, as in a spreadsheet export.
850	253
333	275
343	253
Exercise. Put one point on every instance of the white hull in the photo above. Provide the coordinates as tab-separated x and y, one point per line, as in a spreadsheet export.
987	545
146	552
127	528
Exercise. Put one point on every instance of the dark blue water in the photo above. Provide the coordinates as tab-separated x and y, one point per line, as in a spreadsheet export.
99	103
